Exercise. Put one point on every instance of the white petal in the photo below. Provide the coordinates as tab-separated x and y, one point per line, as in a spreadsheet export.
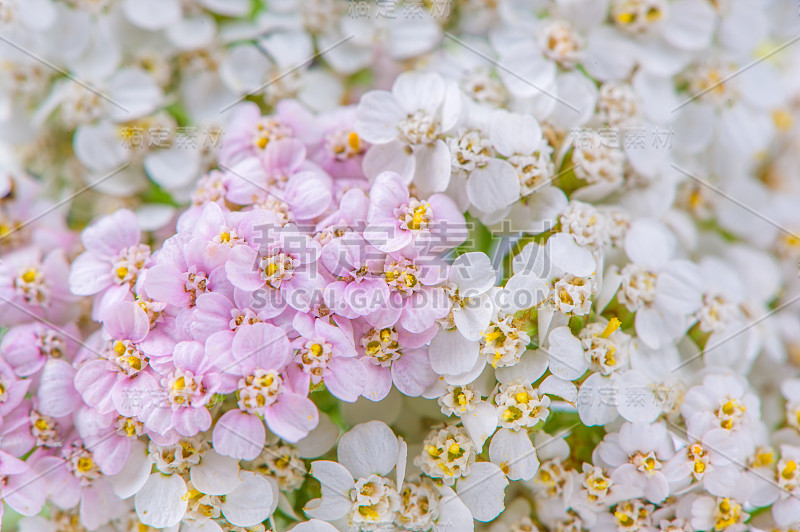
419	91
597	400
522	291
452	354
390	157
565	353
513	452
538	212
320	440
173	168
553	385
216	474
432	168
160	502
98	147
402	459
192	32
314	525
135	92
244	69
690	25
480	423
336	483
531	366
152	14
649	243
453	515
472	273
568	256
368	448
513	133
252	502
135	472
578	95
493	187
229	8
378	113
483	491
635	399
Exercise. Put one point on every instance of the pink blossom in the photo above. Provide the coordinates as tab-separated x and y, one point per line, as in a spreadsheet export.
397	220
185	392
286	262
27	347
114	255
115	374
326	353
258	356
34	285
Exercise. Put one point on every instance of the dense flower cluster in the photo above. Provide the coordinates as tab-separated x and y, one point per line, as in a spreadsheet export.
397	266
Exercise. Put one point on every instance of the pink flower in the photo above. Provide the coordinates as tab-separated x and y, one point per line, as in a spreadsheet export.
185	269
326	353
341	151
16	437
12	389
392	356
286	262
258	356
248	133
185	392
358	291
113	257
109	436
397	220
27	347
19	487
35	286
115	375
417	298
73	478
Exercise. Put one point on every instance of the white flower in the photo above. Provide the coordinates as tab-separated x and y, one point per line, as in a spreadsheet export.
662	291
730	407
413	116
357	487
217	485
470	279
636	455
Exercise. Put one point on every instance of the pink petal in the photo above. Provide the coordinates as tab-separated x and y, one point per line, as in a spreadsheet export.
261	346
189	421
412	373
292	417
127	321
107	236
243	269
378	383
94	382
239	435
57	394
345	378
89	275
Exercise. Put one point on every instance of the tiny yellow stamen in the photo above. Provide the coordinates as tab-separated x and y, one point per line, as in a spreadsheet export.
84	464
354	141
782	119
613	325
788	471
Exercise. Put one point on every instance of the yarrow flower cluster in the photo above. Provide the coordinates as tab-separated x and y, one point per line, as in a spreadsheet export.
397	266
